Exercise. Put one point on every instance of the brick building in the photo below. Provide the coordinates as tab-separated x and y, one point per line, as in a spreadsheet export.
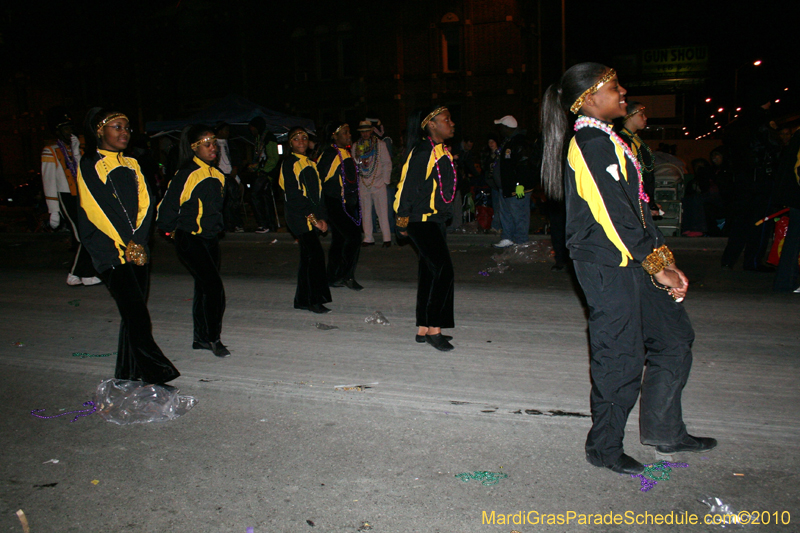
378	59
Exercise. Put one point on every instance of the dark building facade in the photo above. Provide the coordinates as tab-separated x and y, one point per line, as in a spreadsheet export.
477	57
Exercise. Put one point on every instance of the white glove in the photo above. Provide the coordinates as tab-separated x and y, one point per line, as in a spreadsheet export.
55	220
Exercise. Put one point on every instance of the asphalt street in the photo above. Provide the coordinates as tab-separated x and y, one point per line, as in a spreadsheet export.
359	428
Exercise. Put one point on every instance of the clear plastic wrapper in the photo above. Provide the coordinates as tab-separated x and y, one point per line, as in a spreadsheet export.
126	402
470	228
377	318
536	251
499	269
723	515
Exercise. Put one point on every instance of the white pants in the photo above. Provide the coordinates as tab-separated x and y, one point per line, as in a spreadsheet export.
378	198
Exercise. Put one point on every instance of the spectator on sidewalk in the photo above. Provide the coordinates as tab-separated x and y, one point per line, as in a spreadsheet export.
265	160
374	165
517	181
229	166
490	159
59	173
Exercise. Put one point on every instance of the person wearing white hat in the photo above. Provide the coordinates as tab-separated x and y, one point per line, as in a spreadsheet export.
374	173
514	174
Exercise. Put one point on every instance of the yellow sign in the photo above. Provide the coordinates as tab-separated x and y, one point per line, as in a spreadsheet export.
677	62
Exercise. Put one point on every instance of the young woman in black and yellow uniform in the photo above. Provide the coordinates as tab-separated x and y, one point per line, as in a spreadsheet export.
423	205
627	126
305	215
632	286
191	212
114	219
337	169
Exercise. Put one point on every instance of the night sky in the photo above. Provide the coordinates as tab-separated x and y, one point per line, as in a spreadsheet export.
191	48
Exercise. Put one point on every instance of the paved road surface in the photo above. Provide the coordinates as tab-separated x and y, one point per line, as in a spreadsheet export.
274	445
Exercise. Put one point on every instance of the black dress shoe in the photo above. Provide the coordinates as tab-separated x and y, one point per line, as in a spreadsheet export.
689	444
387	244
337	283
421	338
216	347
626	465
352	284
219	349
365	244
439	342
319	309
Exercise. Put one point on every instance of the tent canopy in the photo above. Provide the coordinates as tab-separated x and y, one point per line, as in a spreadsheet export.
234	110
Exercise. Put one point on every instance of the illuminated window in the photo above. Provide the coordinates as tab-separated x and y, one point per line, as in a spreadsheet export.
451	43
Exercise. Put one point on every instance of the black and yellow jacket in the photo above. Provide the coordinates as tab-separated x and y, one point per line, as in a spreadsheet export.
645	157
114	196
193	201
330	173
605	222
303	192
418	195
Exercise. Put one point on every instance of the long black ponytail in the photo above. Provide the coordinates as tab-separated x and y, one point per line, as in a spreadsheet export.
555	123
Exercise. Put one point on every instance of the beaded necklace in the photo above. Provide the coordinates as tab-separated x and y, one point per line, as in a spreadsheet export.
591	122
439	172
303	159
496	159
344	182
642	147
133	252
368	156
116	195
68	158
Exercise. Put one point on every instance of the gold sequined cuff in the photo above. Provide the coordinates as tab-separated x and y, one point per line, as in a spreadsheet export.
402	222
134	253
312	219
657	261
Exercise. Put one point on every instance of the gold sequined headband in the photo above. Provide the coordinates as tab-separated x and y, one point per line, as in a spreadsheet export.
629	115
110	118
337	130
431	116
298	133
204	140
609	75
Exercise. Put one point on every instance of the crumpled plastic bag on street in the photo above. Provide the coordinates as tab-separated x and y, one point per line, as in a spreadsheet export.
470	228
377	318
126	402
723	515
536	251
499	269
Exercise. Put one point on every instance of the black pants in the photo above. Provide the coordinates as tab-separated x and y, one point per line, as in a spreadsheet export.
345	242
232	207
436	279
201	257
312	285
82	264
261	197
138	356
754	200
633	325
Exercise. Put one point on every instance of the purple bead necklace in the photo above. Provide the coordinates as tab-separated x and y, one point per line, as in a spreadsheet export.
439	172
